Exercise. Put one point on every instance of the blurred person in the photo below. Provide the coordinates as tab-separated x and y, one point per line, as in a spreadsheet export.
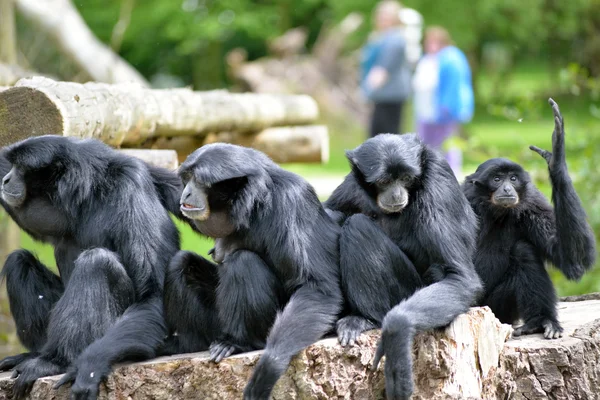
385	75
443	93
412	30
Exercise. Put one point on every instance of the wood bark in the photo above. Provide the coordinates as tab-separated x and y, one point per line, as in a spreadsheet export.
10	240
8	233
471	359
61	21
159	158
128	114
8	35
289	144
299	144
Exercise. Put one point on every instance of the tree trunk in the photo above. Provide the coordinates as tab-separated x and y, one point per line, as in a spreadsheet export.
11	73
10	240
127	114
61	21
471	359
8	233
8	36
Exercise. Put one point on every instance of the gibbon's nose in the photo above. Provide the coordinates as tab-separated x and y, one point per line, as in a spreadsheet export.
507	189
6	179
187	193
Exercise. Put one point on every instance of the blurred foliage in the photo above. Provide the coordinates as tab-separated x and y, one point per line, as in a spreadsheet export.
189	38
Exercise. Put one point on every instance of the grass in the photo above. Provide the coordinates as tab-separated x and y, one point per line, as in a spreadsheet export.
504	129
525	78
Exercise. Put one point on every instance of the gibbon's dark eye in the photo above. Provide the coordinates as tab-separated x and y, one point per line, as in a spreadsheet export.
405	178
185	176
513	178
496	179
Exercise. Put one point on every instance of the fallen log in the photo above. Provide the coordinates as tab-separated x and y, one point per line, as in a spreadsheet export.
295	144
471	359
301	144
582	297
159	158
128	114
62	23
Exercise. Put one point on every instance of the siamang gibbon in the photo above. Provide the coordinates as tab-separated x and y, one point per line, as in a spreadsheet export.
106	216
275	284
519	231
406	248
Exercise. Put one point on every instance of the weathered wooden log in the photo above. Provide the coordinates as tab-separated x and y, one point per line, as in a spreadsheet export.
62	23
301	144
159	158
471	359
127	114
581	297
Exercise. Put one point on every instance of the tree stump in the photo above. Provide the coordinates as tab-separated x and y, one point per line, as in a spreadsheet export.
470	359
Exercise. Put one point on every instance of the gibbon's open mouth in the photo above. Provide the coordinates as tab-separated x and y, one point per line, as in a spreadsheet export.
191	207
194	212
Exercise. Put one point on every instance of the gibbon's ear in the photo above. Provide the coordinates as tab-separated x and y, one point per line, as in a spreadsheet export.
351	157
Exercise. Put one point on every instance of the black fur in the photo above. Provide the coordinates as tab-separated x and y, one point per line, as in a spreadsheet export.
404	216
279	274
517	238
105	214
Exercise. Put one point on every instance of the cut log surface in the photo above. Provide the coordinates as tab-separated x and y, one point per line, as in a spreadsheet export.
127	114
159	158
471	359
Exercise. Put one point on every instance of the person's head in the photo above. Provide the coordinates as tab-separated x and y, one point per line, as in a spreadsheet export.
436	38
387	15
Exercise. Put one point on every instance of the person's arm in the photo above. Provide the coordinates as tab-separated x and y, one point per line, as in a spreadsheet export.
390	56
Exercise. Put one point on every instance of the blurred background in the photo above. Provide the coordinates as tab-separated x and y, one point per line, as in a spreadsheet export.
520	53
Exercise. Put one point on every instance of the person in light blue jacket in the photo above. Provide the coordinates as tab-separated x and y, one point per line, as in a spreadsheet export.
385	71
443	92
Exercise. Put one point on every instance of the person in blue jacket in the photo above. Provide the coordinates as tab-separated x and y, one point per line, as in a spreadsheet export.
443	92
385	71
